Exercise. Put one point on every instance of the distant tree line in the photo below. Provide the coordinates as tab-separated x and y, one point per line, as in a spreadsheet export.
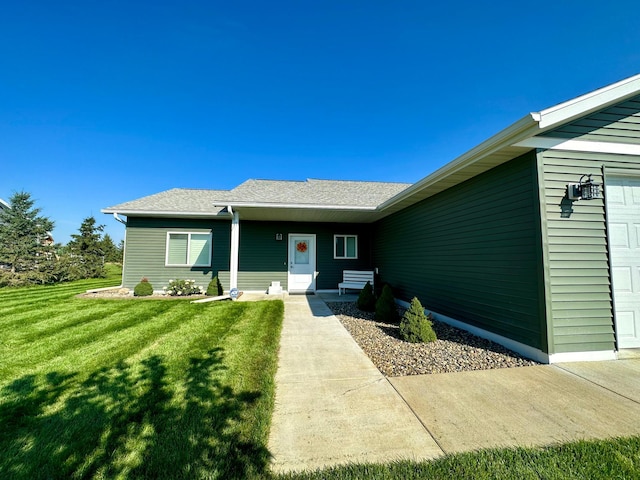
28	254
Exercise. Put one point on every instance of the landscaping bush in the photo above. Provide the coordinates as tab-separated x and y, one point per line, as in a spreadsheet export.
415	326
143	289
386	310
183	288
366	299
215	287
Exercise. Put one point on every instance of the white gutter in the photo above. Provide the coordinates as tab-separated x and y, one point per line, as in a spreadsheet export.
523	128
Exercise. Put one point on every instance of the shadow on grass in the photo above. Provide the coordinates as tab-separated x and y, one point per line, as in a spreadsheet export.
128	421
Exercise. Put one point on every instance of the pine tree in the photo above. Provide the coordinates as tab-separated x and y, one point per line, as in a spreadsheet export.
24	235
112	254
415	326
86	251
386	310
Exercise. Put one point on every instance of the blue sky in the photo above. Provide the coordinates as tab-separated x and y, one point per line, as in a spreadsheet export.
105	102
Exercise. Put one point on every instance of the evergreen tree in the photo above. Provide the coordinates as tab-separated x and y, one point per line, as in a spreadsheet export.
86	251
25	244
415	326
112	254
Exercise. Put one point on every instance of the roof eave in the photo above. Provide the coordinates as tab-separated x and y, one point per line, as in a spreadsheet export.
298	206
160	213
523	128
589	102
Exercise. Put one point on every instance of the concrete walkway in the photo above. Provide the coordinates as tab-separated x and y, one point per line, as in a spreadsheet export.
333	406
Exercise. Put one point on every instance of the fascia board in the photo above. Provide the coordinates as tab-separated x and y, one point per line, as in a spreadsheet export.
589	102
299	206
163	213
523	128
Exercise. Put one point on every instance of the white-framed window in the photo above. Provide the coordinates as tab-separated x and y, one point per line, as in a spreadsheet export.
188	249
345	246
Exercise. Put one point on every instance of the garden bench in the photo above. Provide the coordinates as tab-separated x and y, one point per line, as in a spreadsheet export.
355	280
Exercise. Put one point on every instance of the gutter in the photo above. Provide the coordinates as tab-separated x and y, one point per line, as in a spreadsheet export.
523	128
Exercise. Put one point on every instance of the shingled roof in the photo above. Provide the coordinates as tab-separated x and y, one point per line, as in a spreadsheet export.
268	193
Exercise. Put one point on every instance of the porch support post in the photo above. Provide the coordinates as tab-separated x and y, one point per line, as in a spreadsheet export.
235	249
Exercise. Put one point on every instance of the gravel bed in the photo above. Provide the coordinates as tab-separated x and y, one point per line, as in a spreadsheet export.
455	350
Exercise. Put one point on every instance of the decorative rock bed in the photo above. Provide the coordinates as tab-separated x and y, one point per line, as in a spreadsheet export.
455	350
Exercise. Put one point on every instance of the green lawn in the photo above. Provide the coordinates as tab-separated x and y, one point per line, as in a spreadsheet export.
134	388
166	389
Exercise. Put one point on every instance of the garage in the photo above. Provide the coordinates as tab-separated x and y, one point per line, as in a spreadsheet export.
623	211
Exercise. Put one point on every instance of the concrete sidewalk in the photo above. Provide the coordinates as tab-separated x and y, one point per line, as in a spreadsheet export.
333	406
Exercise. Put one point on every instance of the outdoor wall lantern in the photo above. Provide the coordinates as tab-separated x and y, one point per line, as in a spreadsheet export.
278	236
585	190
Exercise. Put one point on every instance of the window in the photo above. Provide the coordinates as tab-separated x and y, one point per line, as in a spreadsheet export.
188	249
345	246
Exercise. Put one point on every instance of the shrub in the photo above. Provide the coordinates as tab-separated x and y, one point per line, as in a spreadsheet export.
366	299
143	289
215	287
386	310
183	288
415	326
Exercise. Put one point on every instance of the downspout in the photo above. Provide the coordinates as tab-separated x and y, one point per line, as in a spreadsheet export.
124	249
115	215
235	248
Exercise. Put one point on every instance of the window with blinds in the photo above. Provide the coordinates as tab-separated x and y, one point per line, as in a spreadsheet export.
188	249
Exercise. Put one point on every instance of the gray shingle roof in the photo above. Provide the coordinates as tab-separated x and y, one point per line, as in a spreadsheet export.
310	193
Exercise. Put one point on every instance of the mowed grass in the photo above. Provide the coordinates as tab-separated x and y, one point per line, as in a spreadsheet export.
134	388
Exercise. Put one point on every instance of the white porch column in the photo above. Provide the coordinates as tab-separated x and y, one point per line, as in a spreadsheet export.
235	249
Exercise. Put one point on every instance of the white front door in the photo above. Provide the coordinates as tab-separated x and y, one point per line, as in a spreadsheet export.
623	209
302	263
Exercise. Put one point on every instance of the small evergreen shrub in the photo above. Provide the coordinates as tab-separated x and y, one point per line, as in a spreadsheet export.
366	299
183	288
143	289
415	326
215	287
386	310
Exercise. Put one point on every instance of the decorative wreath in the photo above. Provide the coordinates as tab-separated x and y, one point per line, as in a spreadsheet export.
301	247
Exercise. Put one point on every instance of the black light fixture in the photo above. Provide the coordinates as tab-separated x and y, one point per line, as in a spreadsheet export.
585	190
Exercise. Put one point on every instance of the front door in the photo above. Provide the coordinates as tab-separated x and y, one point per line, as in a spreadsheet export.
623	208
302	263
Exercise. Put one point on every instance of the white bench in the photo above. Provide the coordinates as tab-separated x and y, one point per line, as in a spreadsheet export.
355	280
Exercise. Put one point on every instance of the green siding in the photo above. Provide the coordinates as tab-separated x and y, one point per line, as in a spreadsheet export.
263	259
579	286
620	124
473	252
145	250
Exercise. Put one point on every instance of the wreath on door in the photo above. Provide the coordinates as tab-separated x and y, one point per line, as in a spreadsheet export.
301	247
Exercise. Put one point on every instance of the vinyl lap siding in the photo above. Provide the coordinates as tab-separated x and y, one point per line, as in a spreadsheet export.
577	256
620	124
145	251
263	259
473	252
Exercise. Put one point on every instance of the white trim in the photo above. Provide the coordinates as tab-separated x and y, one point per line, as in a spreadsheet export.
235	250
553	143
165	213
583	356
302	206
524	350
584	104
344	235
522	129
312	258
188	233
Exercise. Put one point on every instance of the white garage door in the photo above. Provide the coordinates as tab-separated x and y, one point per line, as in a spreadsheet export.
623	209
